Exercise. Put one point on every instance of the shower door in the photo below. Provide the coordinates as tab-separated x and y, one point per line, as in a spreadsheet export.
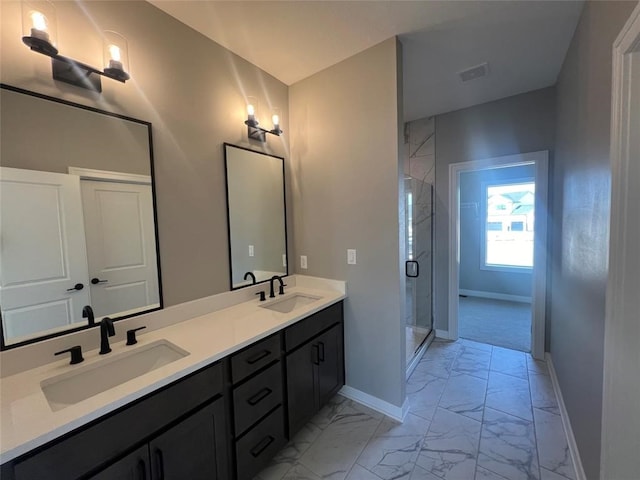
419	264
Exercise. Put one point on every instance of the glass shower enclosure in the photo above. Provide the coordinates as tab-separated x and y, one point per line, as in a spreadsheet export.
419	264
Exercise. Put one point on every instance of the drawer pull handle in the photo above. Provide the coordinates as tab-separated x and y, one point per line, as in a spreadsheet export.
258	397
258	357
321	357
142	470
262	446
316	354
160	463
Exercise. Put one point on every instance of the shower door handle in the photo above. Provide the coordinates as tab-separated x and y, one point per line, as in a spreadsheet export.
411	268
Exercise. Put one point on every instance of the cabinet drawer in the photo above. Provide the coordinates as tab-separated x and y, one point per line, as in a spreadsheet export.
302	331
107	438
253	399
253	358
259	445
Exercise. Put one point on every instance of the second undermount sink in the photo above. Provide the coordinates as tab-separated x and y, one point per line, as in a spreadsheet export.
290	303
87	381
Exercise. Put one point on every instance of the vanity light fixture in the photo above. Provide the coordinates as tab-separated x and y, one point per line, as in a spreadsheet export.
40	35
254	130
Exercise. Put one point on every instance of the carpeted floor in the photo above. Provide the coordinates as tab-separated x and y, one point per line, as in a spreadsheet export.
497	322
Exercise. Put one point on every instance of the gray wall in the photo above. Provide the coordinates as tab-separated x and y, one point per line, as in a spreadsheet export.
192	90
345	149
581	180
472	277
519	124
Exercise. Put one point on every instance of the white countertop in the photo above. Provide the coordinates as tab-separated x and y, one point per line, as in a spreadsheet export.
27	421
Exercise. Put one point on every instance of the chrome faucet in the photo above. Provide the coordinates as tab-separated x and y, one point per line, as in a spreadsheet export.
281	289
253	277
106	330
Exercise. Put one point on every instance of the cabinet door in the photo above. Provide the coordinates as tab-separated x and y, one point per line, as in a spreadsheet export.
301	386
331	364
193	449
134	466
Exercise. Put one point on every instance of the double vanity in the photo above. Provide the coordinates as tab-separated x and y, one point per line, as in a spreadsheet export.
215	396
210	389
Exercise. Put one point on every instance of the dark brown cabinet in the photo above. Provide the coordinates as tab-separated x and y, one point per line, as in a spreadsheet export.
315	369
256	374
93	448
134	466
193	449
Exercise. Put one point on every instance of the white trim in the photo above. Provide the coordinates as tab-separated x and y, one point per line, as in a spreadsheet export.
620	411
106	175
541	161
442	334
495	296
566	422
386	408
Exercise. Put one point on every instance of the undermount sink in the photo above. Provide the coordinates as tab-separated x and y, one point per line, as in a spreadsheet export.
84	382
290	303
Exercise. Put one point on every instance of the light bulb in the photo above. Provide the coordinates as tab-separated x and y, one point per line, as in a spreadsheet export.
114	51
276	121
251	111
39	21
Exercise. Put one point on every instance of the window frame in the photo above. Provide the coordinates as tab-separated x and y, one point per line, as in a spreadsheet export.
484	207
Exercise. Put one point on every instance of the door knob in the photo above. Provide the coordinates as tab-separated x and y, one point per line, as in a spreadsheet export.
96	281
77	286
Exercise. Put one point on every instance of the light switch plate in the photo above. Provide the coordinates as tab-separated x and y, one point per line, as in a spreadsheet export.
284	259
303	261
351	256
251	250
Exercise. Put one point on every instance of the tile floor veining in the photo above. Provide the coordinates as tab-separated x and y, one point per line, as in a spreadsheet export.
477	412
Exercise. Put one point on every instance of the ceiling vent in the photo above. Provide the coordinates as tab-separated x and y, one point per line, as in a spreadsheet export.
472	73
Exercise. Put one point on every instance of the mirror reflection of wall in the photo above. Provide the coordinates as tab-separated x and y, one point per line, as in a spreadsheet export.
256	221
77	217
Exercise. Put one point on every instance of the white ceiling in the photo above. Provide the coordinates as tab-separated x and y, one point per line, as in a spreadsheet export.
524	42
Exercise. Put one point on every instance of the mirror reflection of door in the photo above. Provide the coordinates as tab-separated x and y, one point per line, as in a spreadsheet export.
43	255
121	243
76	138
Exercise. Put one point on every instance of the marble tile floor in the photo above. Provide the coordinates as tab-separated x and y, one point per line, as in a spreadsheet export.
477	412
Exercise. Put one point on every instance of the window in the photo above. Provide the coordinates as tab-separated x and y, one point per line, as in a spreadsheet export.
509	225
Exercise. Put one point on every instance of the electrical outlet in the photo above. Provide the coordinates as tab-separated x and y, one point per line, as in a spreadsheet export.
251	250
303	261
351	256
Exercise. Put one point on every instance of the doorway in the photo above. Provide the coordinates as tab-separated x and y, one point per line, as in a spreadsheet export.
498	205
497	225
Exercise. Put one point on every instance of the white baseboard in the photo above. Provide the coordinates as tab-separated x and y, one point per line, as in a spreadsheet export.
571	439
495	296
442	334
386	408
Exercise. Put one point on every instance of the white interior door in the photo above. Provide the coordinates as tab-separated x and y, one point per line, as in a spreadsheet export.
121	246
44	257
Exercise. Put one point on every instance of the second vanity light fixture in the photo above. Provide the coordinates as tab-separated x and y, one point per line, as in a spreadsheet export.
254	130
40	34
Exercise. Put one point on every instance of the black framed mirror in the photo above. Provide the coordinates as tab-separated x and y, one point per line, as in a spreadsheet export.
256	216
78	217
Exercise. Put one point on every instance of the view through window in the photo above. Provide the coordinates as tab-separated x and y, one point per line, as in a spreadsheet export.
510	225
